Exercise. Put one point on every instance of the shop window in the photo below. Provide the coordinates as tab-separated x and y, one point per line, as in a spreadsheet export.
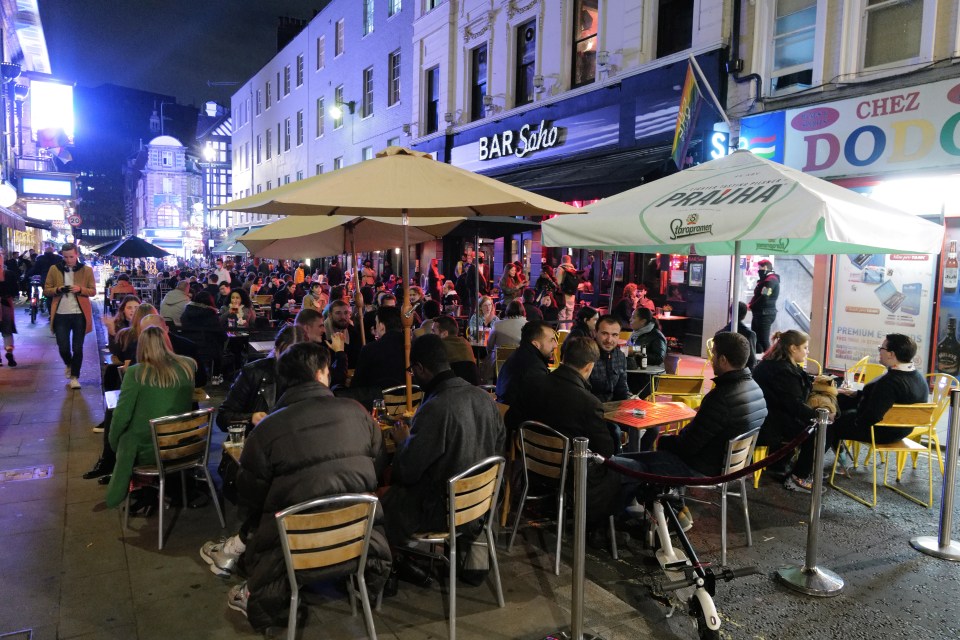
366	108
792	45
585	19
393	90
478	81
526	62
432	102
674	26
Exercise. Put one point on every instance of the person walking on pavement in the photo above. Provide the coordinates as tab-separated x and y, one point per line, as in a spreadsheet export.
71	286
763	305
9	290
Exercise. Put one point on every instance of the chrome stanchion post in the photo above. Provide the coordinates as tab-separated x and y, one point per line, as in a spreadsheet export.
941	546
811	579
579	456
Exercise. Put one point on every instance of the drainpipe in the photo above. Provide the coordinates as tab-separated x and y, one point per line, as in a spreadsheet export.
735	64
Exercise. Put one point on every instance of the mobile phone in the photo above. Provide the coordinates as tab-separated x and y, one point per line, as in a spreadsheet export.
890	298
911	298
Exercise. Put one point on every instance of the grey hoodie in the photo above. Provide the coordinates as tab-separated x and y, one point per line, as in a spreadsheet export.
172	305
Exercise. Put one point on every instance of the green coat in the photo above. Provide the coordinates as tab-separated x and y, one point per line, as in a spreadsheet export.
130	427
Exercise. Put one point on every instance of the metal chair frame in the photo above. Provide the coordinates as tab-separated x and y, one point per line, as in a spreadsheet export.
395	399
739	455
180	443
337	529
471	494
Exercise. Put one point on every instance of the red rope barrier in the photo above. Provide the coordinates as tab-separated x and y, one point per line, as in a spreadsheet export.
672	481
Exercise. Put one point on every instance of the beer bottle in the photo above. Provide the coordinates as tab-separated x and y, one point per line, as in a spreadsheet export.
951	269
948	351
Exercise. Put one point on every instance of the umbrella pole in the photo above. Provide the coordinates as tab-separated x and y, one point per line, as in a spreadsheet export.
735	304
407	311
613	279
357	296
476	281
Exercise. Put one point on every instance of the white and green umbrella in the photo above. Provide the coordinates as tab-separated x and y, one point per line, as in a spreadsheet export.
743	203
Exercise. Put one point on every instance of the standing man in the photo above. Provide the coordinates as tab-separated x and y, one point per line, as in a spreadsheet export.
335	273
222	274
71	285
763	305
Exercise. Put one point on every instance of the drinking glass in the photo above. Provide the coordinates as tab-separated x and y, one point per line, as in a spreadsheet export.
236	433
379	408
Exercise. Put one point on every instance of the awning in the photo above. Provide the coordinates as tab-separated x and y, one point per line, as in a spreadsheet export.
10	219
591	178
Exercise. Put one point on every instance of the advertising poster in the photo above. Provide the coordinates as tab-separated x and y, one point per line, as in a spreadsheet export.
948	348
874	295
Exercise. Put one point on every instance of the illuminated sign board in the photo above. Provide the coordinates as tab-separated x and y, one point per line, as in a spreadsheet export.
51	108
46	186
520	143
49	211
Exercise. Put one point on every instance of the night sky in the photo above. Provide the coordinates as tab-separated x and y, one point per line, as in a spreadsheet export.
167	46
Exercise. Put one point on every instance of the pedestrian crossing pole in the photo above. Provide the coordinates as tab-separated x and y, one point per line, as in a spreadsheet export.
941	545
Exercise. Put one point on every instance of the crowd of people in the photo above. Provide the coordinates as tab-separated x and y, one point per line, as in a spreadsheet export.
339	343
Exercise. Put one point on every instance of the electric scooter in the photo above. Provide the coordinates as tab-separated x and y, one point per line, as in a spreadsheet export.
689	583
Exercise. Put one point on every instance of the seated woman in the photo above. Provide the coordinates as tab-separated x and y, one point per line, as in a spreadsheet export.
450	296
482	319
160	384
548	308
506	331
786	387
240	310
624	308
647	334
116	324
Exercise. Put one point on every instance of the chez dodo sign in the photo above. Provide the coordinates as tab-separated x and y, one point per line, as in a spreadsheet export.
904	129
520	143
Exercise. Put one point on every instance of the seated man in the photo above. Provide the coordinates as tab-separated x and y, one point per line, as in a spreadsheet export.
733	407
312	328
280	467
459	351
528	363
337	321
901	384
176	300
562	401
747	333
381	363
608	381
456	426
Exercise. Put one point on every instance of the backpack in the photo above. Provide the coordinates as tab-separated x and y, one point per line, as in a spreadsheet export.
568	284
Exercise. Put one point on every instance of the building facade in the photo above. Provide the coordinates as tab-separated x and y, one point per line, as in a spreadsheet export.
352	55
864	94
214	153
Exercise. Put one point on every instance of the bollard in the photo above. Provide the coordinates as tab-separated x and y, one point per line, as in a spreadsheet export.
579	456
942	546
811	579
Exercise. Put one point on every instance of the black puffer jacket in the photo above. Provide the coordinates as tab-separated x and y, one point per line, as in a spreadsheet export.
257	388
313	445
786	388
734	406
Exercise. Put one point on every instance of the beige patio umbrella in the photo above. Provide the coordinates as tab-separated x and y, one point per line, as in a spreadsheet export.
400	183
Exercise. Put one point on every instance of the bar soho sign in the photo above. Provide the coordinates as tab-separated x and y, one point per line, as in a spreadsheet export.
520	143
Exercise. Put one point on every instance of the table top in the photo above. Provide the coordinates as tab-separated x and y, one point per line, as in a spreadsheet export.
233	450
658	414
262	347
652	370
238	334
671	317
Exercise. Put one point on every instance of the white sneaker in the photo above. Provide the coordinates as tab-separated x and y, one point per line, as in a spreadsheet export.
74	383
222	556
237	598
66	371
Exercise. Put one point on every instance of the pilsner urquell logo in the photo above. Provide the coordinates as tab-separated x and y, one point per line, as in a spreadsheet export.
691	228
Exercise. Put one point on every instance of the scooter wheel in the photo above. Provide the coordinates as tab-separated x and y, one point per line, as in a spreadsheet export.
700	620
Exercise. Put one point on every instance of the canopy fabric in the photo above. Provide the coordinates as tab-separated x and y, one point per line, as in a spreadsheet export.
769	208
397	182
303	237
230	243
491	227
132	247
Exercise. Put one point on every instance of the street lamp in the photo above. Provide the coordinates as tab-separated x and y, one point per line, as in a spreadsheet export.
336	110
209	153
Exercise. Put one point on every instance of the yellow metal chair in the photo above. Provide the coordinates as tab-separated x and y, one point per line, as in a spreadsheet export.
856	372
504	351
709	360
759	453
818	367
872	371
685	389
899	415
324	533
940	385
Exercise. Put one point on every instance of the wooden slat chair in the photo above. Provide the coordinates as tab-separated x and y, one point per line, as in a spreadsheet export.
324	533
940	385
504	351
899	415
471	495
685	389
545	453
395	399
181	443
739	455
265	300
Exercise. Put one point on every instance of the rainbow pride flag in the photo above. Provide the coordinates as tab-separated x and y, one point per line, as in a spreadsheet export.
690	102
